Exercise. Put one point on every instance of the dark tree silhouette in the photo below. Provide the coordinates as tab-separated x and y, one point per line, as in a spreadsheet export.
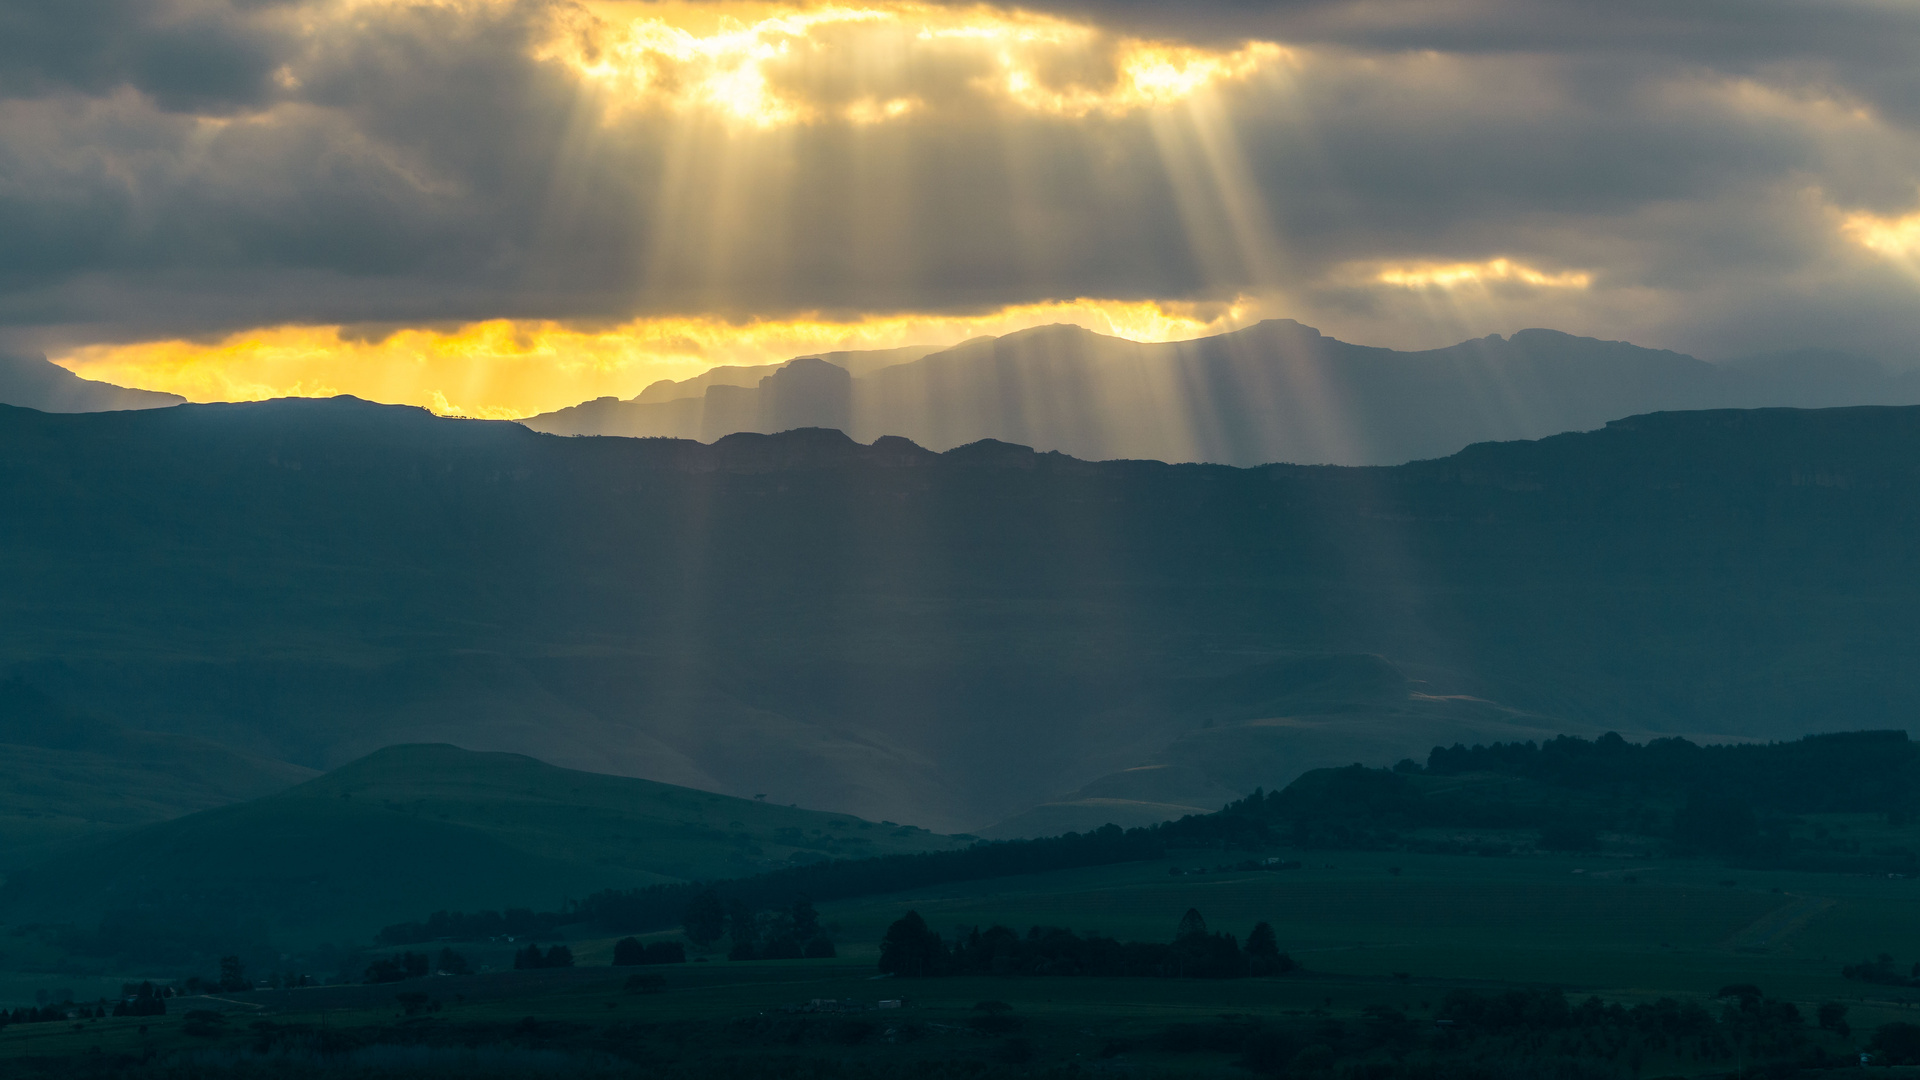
705	919
1263	952
806	921
531	957
233	977
1191	925
910	949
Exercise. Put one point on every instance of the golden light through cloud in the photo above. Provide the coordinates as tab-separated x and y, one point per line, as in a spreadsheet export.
1457	275
770	65
762	70
1897	239
503	369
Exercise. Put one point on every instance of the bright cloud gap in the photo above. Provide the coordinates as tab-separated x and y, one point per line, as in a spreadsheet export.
1479	275
872	64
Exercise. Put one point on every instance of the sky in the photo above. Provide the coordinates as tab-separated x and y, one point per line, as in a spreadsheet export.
499	207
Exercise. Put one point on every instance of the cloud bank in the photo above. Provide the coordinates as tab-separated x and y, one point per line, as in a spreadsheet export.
1719	178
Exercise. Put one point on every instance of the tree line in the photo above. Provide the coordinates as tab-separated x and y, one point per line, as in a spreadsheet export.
1723	801
911	949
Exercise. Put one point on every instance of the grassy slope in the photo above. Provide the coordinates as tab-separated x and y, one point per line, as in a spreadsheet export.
414	828
67	775
52	797
627	825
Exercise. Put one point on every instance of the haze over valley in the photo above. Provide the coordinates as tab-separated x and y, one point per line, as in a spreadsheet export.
871	629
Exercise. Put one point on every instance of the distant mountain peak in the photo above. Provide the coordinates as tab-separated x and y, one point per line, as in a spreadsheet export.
34	382
1274	391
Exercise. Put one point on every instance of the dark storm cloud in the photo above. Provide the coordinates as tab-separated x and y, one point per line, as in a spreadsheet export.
190	168
186	54
1866	47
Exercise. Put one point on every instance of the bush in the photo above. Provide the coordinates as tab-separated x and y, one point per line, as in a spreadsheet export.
452	963
1897	1043
531	957
396	968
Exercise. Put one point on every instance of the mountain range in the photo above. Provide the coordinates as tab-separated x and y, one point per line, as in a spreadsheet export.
1273	392
986	639
34	382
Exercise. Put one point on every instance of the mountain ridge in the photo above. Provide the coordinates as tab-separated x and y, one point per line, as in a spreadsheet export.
34	382
947	639
1276	391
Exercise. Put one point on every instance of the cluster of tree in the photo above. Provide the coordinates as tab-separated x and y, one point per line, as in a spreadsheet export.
231	980
475	926
65	1010
1701	799
789	933
145	999
1847	772
632	952
412	965
408	965
1882	970
531	957
912	949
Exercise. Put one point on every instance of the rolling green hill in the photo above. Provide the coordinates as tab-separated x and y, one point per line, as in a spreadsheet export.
410	829
65	775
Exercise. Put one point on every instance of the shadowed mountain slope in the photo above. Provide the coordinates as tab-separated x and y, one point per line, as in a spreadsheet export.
65	775
33	382
1276	391
413	828
946	639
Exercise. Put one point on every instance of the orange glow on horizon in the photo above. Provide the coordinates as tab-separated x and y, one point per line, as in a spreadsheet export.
505	369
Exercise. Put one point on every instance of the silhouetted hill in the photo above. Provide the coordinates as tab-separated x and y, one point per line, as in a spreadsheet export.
65	775
948	639
1276	391
413	828
33	382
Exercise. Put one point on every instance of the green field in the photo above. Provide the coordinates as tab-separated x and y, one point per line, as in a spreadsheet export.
1369	930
